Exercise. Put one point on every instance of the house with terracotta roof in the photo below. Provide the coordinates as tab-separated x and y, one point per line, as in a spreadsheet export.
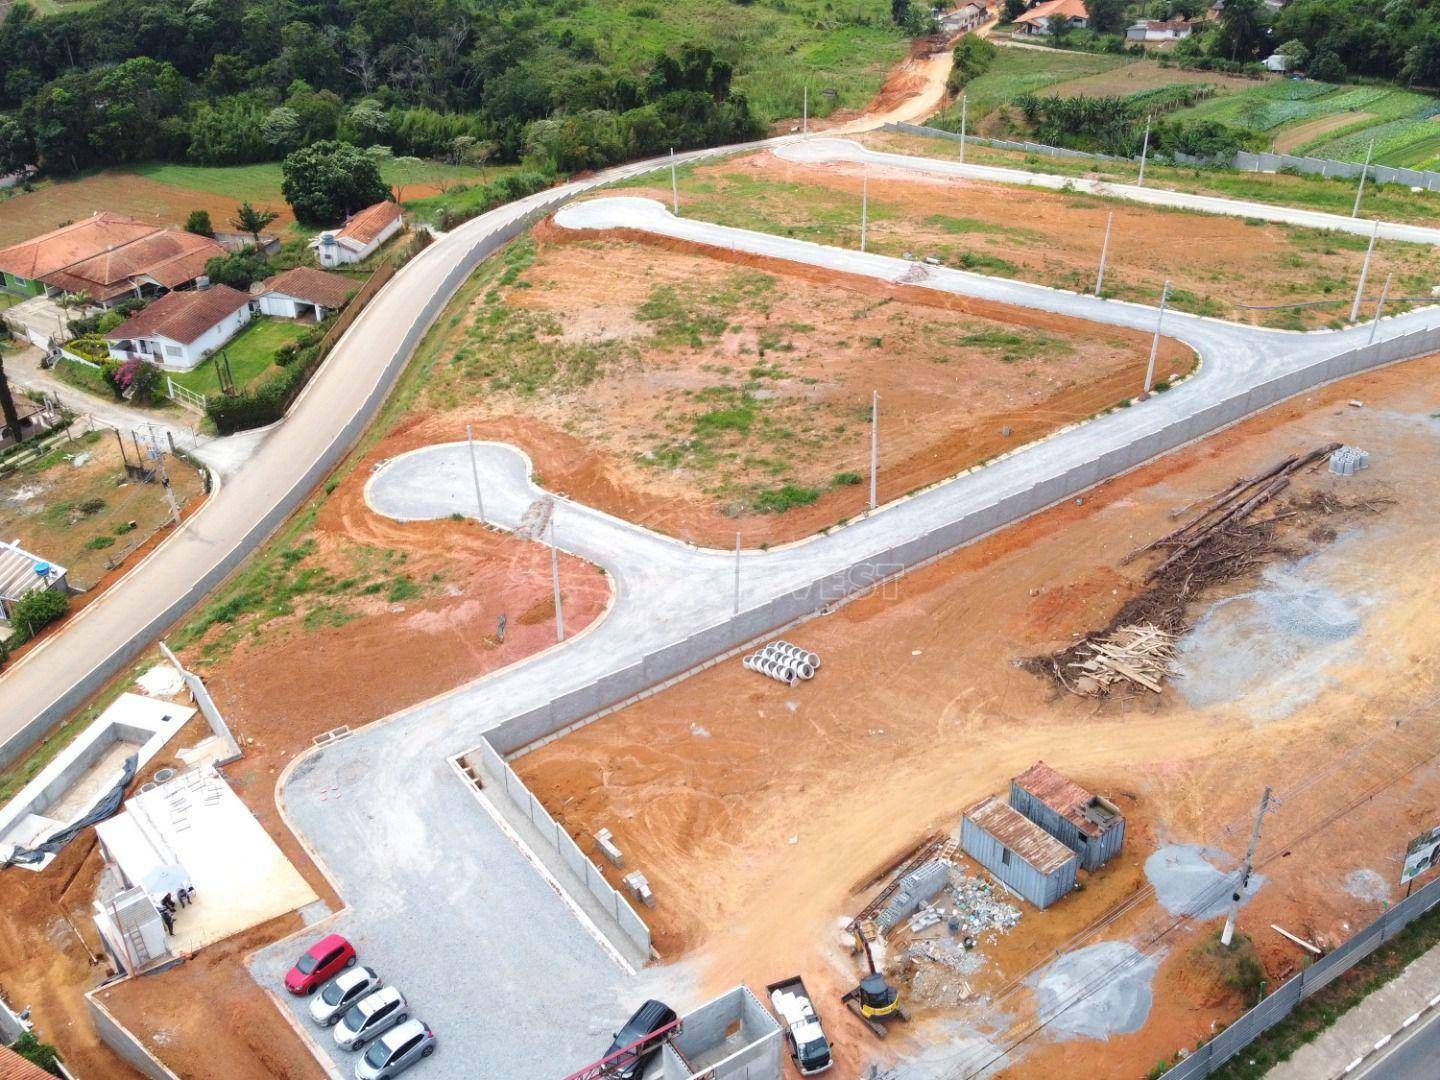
1159	31
304	292
15	1067
360	236
107	257
181	329
1041	18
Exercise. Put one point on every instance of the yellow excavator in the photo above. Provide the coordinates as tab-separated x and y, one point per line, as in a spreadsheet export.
874	1001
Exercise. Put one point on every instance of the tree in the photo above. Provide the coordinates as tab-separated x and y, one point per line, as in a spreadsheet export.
899	12
238	269
1243	28
281	129
250	220
326	180
1013	10
1106	16
973	57
36	610
1295	53
1327	67
199	223
29	1047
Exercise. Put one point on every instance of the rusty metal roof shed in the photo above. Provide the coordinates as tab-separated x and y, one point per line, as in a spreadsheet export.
1021	835
1066	798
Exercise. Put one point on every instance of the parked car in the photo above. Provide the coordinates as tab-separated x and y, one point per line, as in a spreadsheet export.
322	961
341	993
648	1019
396	1051
370	1016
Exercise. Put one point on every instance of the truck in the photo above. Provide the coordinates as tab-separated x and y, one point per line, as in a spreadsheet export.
792	1003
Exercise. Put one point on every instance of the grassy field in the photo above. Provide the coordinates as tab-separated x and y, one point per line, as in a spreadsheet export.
1027	71
262	182
251	354
777	46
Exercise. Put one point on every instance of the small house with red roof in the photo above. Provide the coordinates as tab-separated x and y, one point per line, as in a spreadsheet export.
360	236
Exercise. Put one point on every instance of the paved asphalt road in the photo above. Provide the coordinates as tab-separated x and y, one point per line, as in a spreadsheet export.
1413	1055
440	898
822	151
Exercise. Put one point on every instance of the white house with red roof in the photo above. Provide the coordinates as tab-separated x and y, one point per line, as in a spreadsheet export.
360	236
181	329
1041	18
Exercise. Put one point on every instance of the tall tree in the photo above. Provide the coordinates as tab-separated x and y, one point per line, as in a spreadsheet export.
326	180
1244	28
250	220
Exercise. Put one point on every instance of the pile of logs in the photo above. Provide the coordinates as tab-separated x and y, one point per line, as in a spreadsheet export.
1143	655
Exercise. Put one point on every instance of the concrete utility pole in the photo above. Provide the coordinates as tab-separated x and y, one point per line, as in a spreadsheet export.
874	441
805	112
674	186
1364	273
475	473
1363	173
555	576
1155	345
864	207
964	110
1144	151
1380	307
1104	252
737	574
157	455
1245	869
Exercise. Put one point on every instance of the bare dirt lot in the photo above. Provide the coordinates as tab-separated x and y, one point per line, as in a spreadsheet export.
755	809
1231	268
704	395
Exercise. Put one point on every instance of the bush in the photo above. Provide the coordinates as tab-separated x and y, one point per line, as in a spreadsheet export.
36	610
29	1047
973	57
199	223
99	543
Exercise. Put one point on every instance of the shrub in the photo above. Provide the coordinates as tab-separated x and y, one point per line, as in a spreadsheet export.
199	223
848	479
36	610
98	543
29	1047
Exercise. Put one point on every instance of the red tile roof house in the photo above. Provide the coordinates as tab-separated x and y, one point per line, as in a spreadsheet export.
359	236
1041	18
304	291
109	258
181	329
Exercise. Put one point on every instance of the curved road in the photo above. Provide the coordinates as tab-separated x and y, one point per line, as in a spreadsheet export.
428	877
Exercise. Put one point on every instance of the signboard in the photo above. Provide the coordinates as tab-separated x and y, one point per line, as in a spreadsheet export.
1422	854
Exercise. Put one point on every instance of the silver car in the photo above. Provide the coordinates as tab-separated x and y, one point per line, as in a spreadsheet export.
341	993
369	1017
396	1051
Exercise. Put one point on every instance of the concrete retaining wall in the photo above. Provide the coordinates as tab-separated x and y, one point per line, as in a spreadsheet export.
503	779
123	1042
11	1026
751	1053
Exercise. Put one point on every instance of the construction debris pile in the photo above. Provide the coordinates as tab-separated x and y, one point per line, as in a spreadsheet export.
1225	540
1143	655
784	662
939	957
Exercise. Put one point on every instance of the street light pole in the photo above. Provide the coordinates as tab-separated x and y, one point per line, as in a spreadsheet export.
1144	152
1155	345
964	110
864	207
1364	273
674	186
475	473
1380	308
805	113
1104	253
874	442
1363	173
555	576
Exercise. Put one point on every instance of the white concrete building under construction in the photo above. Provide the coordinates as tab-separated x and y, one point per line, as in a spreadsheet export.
1018	852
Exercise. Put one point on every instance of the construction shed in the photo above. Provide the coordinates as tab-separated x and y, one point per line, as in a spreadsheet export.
1088	825
1018	852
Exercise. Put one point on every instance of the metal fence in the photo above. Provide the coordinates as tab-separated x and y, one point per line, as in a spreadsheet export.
1244	161
1211	1055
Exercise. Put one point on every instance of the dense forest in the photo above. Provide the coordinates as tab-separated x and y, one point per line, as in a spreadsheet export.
252	80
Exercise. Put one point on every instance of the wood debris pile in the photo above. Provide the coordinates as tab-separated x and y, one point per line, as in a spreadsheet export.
1225	540
1143	655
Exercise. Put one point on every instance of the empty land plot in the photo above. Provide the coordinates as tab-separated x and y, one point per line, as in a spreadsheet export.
702	396
1385	202
1233	268
757	811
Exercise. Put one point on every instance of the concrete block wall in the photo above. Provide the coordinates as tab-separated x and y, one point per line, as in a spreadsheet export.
757	1047
120	1039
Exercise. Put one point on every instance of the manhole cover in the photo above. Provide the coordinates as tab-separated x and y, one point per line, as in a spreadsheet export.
162	775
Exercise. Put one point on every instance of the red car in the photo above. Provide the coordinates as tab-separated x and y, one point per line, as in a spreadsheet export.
322	961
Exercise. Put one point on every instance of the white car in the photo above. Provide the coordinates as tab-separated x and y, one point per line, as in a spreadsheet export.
371	1016
395	1051
342	992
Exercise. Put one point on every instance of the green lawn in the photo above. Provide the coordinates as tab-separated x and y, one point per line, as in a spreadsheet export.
261	183
251	354
776	46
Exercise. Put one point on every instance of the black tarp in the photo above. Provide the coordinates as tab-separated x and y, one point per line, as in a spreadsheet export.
105	808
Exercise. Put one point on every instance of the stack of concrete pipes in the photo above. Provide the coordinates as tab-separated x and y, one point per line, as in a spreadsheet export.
784	662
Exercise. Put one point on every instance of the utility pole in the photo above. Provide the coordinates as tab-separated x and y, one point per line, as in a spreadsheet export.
674	186
1145	151
1363	173
1364	273
158	456
475	473
1245	869
874	441
1155	345
964	110
7	408
1104	252
737	574
1380	308
805	113
864	207
555	576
